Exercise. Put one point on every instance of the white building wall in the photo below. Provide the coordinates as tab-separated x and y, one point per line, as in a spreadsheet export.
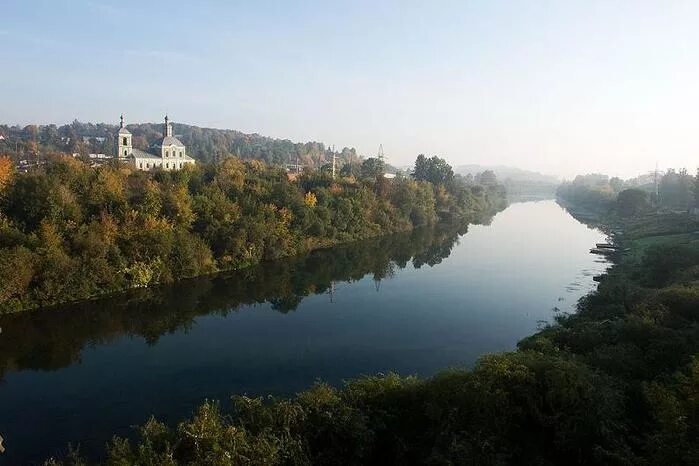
168	164
172	152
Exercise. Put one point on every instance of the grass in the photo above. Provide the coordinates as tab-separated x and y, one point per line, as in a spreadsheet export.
639	246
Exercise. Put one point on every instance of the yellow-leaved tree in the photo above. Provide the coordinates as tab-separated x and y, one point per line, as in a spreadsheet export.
310	199
6	171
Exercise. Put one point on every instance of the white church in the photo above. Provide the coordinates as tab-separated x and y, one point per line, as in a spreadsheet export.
166	154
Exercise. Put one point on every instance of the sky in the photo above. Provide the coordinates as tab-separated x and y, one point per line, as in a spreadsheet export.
561	87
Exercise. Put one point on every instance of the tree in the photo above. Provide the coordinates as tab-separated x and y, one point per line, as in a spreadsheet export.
16	273
676	189
487	178
6	170
351	169
631	202
31	132
49	136
434	170
349	156
616	184
28	200
78	146
372	168
310	199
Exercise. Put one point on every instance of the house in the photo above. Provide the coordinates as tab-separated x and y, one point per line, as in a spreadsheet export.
88	139
166	154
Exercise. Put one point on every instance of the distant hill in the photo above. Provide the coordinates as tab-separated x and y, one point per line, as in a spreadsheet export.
512	173
204	144
520	183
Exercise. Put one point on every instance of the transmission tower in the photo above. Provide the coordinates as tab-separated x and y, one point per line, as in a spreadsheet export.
382	161
655	182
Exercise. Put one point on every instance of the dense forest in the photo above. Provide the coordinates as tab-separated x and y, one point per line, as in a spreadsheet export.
69	231
614	383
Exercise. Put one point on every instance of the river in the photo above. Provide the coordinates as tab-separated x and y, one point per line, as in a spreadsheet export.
413	303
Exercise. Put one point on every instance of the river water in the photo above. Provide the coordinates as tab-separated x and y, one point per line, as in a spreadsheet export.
413	303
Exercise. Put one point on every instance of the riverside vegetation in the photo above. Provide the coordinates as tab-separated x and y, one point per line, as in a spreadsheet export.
58	337
70	232
614	383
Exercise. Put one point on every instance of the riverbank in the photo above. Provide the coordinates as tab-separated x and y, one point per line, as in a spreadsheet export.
610	384
71	232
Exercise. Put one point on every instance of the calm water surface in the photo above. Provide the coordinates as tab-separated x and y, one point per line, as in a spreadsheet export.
413	303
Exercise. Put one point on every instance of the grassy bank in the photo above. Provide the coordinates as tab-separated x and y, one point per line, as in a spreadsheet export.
614	383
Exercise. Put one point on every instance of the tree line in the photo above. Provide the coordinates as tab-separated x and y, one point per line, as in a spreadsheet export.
33	143
69	231
672	190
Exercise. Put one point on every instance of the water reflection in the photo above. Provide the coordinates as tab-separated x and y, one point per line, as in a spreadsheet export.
84	372
55	338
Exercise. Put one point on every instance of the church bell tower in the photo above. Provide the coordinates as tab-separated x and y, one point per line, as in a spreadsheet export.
124	148
168	127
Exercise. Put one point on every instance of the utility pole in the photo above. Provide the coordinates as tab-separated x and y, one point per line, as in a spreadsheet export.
333	149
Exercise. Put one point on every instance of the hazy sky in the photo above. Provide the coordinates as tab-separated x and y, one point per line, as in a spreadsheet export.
562	87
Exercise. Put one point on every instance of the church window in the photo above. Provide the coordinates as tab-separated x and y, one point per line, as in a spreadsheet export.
167	165
125	142
167	153
125	152
147	165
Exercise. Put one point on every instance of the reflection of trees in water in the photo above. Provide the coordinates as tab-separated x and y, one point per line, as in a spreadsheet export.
286	304
53	338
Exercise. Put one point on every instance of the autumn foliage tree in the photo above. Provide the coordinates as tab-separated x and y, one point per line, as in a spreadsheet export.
6	171
69	231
